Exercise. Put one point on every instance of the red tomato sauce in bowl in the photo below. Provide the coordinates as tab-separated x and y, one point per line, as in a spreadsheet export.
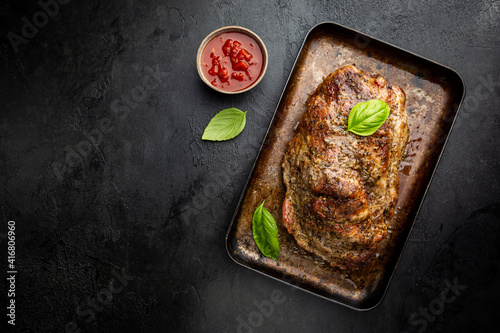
232	61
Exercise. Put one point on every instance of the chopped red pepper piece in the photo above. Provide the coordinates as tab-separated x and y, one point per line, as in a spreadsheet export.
244	54
228	45
238	76
240	66
214	70
234	52
223	76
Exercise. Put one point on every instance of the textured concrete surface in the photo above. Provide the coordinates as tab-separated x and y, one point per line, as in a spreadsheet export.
102	113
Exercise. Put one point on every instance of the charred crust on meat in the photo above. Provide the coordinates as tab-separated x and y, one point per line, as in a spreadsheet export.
342	189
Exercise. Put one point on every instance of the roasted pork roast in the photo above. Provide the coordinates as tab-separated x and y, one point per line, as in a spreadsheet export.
342	188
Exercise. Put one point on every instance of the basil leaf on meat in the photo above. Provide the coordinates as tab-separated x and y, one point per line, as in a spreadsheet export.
365	118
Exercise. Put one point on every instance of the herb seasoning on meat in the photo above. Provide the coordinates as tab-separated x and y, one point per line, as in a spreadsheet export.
342	188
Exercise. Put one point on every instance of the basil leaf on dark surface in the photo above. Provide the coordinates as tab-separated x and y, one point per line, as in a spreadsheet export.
265	232
225	125
366	118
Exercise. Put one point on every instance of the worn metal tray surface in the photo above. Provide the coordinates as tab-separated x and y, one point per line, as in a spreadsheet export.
434	93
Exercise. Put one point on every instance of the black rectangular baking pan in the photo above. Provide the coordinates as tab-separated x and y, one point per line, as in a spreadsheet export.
434	93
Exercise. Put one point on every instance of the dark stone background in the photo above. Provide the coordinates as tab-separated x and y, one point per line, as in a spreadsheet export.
115	210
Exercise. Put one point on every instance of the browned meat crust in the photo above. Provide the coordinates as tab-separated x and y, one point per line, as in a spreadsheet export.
342	188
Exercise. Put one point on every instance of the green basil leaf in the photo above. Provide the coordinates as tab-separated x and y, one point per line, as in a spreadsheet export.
366	118
225	125
265	232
